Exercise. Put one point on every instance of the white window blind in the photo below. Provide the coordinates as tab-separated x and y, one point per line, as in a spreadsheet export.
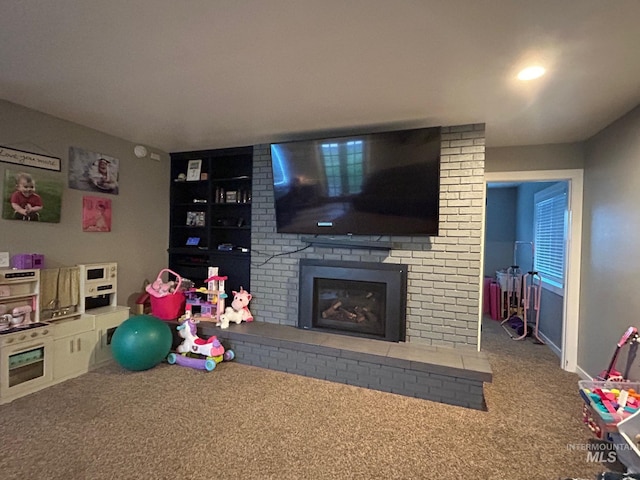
549	233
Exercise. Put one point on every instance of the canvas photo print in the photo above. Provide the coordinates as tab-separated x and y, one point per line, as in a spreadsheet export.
31	196
93	172
96	214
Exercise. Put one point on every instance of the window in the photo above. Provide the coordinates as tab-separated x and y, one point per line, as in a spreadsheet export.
343	167
550	206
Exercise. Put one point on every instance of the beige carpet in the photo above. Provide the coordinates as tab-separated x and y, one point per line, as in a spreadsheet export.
242	422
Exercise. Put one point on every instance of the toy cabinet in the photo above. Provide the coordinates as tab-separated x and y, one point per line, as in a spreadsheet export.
210	219
106	319
84	342
73	344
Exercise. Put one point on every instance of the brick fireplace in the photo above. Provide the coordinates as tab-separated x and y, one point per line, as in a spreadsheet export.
437	359
363	299
443	272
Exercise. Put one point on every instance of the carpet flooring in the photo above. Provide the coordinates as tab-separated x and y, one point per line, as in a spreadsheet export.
244	422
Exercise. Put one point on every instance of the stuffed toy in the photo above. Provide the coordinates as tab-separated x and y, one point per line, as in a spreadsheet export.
238	311
240	303
161	289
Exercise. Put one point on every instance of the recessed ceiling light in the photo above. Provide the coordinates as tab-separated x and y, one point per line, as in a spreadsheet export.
530	73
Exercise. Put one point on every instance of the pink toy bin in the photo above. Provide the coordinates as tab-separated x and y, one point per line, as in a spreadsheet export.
166	306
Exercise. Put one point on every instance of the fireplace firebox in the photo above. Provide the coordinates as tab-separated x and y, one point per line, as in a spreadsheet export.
354	298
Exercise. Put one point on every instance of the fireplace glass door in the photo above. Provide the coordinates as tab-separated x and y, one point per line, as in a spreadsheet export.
353	298
350	306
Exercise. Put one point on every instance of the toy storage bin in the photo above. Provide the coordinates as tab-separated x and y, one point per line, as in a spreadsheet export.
628	429
603	424
169	306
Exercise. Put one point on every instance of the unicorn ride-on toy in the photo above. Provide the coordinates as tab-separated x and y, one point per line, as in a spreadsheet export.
238	311
209	351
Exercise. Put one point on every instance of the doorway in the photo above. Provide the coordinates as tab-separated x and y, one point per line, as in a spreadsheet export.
570	307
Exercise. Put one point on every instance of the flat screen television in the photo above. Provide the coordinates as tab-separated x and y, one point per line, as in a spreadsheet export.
371	184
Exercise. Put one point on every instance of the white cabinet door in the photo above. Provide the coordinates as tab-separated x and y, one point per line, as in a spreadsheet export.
106	324
73	355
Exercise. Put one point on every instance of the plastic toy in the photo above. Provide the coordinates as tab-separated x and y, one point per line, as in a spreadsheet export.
207	303
207	364
192	343
606	404
631	337
167	298
141	342
160	289
209	351
238	311
21	315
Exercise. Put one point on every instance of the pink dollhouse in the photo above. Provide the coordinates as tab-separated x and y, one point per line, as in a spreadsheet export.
207	303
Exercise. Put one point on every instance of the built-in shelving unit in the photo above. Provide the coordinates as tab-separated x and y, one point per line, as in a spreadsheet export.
210	221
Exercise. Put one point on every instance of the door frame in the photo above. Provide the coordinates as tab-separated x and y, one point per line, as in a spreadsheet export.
571	300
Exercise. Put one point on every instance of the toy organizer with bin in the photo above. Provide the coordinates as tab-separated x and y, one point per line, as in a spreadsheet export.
602	418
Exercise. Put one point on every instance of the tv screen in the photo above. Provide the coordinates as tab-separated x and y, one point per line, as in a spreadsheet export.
372	184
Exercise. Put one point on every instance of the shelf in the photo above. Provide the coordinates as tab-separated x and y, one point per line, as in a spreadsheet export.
233	253
355	244
22	296
235	204
189	182
54	319
230	227
231	179
189	250
230	173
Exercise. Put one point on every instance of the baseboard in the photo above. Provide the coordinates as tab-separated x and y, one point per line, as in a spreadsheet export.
582	374
554	348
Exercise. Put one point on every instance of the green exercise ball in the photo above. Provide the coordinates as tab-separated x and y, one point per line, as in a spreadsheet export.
141	342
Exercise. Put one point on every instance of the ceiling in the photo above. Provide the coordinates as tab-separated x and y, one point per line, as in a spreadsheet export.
200	74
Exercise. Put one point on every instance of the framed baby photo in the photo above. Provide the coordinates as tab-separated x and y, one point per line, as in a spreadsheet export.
96	214
193	170
93	172
31	196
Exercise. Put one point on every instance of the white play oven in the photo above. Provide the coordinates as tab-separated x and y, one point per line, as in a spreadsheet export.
26	356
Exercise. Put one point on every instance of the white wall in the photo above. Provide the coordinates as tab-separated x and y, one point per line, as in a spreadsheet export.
139	236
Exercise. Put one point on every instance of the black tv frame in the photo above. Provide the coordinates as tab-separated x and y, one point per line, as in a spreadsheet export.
397	212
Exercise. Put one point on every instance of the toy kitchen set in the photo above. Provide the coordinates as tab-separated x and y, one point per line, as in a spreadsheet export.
55	323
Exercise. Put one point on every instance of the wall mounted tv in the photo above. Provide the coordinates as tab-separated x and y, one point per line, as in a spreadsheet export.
372	184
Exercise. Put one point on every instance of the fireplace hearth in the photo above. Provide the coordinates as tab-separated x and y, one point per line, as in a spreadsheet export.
354	298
